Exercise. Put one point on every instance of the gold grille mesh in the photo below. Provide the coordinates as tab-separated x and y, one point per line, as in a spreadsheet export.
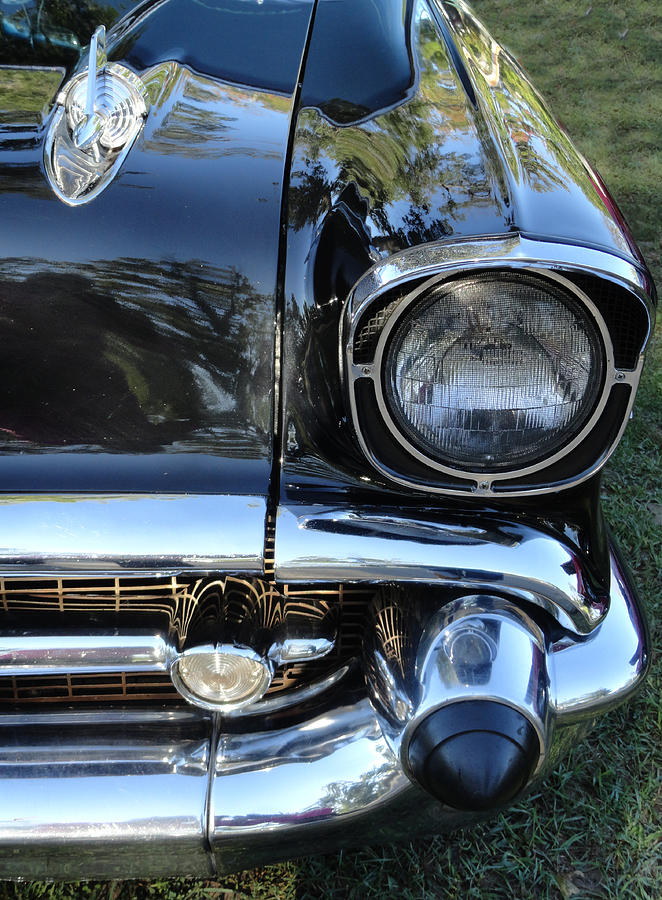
172	604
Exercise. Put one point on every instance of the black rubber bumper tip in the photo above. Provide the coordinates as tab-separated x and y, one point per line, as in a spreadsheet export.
474	754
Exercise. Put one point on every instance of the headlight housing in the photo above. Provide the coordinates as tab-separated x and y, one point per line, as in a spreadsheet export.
493	366
492	371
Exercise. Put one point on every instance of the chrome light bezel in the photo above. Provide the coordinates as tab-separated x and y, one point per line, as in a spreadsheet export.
378	373
431	264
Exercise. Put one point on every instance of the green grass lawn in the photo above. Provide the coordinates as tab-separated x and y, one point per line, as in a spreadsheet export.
594	829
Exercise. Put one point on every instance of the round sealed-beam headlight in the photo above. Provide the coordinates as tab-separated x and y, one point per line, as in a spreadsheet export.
492	372
224	677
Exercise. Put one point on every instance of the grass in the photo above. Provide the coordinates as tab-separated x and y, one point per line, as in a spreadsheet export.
595	829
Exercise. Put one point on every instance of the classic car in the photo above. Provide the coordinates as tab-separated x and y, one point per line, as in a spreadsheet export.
317	334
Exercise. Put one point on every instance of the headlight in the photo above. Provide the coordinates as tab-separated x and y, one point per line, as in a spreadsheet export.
492	372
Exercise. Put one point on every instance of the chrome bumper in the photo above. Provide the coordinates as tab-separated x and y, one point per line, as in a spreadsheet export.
318	544
146	794
71	534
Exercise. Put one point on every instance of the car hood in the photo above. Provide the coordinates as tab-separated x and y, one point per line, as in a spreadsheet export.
141	324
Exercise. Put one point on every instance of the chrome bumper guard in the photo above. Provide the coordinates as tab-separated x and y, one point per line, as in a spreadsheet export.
120	794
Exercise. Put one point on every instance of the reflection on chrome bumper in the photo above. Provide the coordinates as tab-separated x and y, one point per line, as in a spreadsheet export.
103	796
316	544
155	793
88	533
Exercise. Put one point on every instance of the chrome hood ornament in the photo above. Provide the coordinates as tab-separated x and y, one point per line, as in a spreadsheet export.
97	117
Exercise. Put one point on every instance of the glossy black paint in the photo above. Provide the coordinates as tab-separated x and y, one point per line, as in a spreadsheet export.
139	328
255	45
465	148
365	182
553	191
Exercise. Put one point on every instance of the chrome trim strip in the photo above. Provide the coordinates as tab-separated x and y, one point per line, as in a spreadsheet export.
301	649
441	259
126	717
328	544
294	697
75	654
109	533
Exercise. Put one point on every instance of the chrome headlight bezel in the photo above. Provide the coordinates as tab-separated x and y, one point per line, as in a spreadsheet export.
385	294
379	374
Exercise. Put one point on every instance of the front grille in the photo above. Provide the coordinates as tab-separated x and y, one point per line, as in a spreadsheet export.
182	608
625	316
81	689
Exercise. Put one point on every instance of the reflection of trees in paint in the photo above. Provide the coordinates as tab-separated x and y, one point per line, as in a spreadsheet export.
48	35
26	94
201	117
52	32
135	355
537	148
418	165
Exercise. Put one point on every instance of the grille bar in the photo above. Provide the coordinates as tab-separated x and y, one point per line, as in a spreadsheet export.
117	688
58	654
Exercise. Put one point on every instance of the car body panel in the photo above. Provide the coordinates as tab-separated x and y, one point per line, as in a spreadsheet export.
142	325
462	147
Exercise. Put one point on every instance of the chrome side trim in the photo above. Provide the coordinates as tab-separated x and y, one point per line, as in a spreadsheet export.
59	654
107	533
320	544
441	259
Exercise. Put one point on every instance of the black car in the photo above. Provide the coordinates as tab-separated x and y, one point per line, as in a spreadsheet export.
318	332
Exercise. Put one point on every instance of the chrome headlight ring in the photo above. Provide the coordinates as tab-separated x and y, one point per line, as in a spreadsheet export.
429	266
378	375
